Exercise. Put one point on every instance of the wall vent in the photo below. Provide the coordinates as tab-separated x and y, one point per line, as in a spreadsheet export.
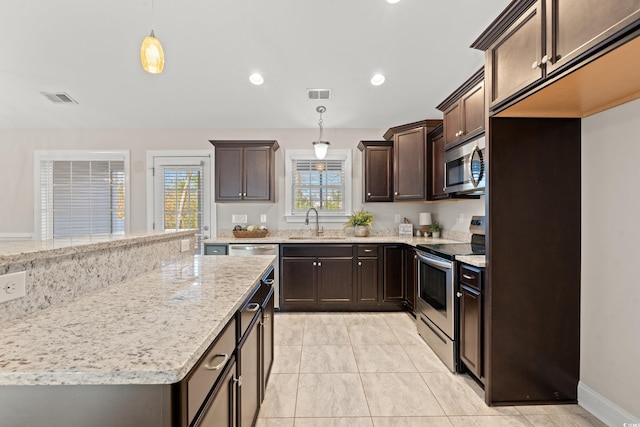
59	97
318	94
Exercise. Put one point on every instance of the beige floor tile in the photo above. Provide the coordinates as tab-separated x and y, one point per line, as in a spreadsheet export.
280	397
351	319
424	359
316	319
411	422
327	359
275	422
401	318
399	394
406	334
567	420
288	329
286	359
330	395
334	422
490	421
551	409
457	398
326	334
382	358
371	334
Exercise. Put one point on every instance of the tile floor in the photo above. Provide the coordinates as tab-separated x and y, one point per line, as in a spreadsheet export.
373	370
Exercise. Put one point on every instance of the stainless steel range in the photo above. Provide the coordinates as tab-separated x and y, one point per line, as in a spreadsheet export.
436	316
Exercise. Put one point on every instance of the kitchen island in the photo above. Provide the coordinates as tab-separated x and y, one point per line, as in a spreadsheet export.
148	331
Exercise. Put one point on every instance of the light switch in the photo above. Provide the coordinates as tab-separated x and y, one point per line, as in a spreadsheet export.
263	218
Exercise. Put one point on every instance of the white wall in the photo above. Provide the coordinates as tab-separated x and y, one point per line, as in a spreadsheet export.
16	172
610	297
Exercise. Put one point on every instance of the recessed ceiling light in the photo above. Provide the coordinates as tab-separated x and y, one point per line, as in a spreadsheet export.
256	79
377	80
392	1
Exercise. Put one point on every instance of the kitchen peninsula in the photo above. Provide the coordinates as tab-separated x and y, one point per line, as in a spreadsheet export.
125	354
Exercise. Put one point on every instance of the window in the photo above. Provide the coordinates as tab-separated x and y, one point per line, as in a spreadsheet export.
321	184
81	193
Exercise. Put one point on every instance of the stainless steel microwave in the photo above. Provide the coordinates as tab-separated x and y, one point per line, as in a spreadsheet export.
466	168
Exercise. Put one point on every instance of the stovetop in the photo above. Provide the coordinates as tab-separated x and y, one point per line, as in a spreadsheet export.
451	250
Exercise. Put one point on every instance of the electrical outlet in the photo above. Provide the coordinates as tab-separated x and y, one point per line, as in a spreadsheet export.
12	286
263	218
238	219
185	245
398	219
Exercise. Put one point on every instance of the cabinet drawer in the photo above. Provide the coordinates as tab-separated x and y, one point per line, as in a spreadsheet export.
215	249
321	250
209	368
249	310
471	276
367	250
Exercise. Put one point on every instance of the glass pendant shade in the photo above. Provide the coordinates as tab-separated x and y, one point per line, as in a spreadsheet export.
152	55
321	148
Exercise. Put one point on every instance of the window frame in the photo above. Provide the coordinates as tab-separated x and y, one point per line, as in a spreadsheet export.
344	155
78	155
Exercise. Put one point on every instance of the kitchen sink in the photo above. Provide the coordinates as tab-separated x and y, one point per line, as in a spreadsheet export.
316	238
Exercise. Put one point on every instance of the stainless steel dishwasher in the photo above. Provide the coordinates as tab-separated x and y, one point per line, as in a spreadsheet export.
246	249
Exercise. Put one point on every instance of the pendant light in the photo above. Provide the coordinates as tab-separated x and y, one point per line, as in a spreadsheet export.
321	146
151	52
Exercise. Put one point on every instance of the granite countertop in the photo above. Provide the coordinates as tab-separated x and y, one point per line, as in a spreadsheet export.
28	250
475	260
148	330
412	241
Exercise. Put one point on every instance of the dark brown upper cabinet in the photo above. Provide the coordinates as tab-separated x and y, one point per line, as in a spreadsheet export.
463	111
534	42
435	150
410	159
245	170
377	170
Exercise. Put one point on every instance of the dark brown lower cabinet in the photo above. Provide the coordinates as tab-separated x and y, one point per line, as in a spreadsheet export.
393	288
410	278
221	410
267	340
299	284
335	279
249	375
470	329
367	279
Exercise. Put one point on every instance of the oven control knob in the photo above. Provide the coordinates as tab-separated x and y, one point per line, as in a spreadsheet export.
459	294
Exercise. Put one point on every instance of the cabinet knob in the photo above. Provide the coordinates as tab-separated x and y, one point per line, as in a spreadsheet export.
396	193
545	59
245	194
319	264
459	294
240	194
368	194
315	263
535	65
238	381
359	262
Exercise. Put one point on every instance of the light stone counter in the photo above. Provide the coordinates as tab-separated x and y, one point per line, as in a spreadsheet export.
475	260
148	330
412	241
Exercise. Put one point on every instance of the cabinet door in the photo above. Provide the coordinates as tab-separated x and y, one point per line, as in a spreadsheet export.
473	110
378	174
220	410
229	174
299	280
453	124
368	279
410	277
267	342
250	372
436	154
409	154
513	58
574	26
335	279
471	330
257	170
392	285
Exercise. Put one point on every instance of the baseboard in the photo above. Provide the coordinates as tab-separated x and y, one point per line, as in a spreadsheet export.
604	409
15	236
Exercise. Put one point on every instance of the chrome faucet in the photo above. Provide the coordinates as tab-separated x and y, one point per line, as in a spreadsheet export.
306	221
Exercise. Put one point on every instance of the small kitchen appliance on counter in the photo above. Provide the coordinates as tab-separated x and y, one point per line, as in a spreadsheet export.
436	308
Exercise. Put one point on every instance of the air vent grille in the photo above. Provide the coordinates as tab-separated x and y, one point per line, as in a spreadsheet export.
318	94
59	97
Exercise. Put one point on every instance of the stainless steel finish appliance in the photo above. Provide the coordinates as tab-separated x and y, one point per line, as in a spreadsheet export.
436	305
466	168
246	249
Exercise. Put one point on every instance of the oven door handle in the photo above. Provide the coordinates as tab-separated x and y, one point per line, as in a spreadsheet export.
434	262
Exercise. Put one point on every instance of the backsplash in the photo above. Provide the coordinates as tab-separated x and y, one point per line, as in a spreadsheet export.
56	276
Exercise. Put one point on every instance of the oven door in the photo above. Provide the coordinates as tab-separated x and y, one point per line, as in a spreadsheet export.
435	291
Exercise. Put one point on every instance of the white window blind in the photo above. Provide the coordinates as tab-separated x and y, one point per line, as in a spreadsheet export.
82	197
182	197
318	184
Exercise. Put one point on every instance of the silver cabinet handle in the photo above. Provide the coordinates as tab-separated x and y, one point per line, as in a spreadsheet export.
254	306
238	381
266	316
359	262
319	264
240	194
534	65
245	194
219	365
215	251
544	59
466	276
269	282
459	294
415	256
315	263
368	250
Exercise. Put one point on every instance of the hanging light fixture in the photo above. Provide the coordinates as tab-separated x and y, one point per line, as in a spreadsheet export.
321	146
151	52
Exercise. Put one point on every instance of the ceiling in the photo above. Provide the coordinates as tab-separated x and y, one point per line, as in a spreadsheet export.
91	51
